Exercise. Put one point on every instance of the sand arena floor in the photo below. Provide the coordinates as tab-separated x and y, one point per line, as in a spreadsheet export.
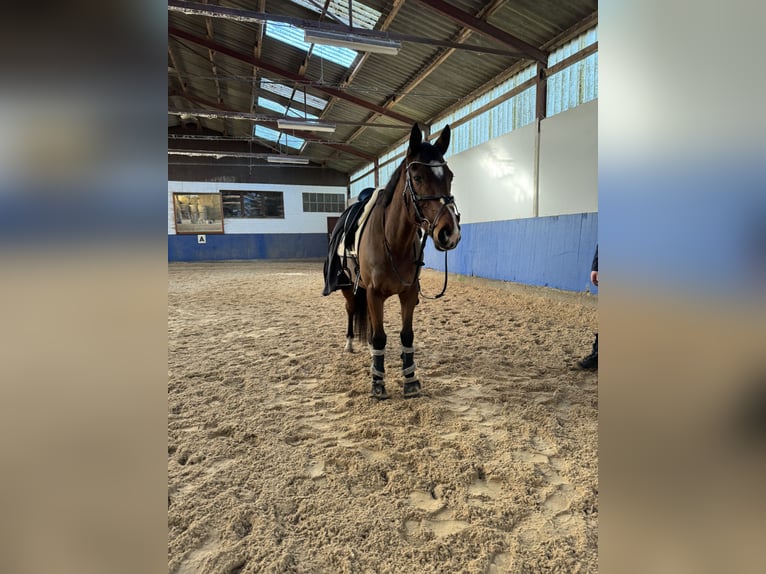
278	461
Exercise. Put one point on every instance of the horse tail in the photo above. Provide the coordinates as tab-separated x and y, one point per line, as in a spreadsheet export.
360	315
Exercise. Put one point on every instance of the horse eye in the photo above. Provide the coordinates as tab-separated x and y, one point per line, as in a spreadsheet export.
418	179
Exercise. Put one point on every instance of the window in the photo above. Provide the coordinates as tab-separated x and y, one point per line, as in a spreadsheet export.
253	204
324	202
197	213
294	37
362	16
296	95
279	108
278	137
575	84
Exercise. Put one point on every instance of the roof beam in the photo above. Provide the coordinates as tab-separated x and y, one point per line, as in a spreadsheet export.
356	67
248	16
221	112
572	32
211	57
305	63
202	101
174	62
257	48
225	113
583	26
486	29
462	36
287	74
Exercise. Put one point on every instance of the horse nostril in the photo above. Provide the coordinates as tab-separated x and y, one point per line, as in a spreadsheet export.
443	236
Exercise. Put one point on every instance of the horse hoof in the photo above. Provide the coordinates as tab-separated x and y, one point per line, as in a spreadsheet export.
411	389
378	391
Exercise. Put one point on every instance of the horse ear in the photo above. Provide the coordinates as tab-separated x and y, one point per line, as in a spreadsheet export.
443	142
416	136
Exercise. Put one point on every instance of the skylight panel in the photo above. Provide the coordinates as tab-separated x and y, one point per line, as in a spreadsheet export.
294	37
277	137
363	16
299	96
279	108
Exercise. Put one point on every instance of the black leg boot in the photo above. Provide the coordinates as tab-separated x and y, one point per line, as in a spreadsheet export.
591	361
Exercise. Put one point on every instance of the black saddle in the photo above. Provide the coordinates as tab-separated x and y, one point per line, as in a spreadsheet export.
336	272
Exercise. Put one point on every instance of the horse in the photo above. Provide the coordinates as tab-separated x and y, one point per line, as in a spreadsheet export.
417	203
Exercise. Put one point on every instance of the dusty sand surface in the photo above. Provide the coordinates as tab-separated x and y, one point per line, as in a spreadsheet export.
278	461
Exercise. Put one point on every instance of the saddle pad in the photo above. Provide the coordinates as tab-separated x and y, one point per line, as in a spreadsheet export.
363	219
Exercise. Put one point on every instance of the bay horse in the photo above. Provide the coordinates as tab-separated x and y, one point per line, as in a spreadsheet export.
416	204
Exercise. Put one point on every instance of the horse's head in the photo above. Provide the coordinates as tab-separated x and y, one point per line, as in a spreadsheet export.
428	183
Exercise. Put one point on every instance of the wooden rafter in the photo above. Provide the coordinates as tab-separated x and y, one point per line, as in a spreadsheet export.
174	63
357	64
213	67
486	29
286	74
462	36
236	114
257	49
248	16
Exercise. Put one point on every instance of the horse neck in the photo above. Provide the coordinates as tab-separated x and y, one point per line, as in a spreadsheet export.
400	229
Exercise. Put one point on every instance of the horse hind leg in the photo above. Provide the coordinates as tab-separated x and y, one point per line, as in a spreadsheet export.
349	346
350	308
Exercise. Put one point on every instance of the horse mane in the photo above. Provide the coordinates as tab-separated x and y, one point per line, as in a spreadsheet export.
426	153
388	193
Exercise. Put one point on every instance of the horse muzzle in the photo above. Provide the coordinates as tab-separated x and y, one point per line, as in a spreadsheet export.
446	239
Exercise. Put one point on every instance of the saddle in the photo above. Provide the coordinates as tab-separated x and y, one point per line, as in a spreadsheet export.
344	242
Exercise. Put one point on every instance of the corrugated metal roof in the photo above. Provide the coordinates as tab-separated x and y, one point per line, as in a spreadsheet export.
409	85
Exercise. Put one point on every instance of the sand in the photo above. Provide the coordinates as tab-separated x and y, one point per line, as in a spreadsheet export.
278	460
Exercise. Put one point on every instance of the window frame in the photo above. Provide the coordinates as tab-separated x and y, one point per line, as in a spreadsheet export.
243	209
322	199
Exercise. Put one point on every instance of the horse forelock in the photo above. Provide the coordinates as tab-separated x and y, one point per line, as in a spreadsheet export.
428	153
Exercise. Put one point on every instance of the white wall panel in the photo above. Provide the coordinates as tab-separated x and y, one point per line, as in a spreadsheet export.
495	181
569	161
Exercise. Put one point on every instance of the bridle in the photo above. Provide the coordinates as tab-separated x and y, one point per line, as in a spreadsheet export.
446	200
447	203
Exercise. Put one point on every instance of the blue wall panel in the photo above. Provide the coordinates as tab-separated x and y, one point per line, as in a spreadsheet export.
247	246
549	251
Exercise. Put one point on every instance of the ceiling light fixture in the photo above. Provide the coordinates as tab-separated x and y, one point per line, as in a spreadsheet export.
352	41
292	159
305	125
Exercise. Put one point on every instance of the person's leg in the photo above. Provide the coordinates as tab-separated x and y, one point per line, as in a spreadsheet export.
591	361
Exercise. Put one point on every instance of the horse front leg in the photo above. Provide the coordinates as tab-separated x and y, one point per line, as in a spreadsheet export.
408	300
378	346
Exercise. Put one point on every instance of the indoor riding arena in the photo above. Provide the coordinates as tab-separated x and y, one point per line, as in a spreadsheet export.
282	456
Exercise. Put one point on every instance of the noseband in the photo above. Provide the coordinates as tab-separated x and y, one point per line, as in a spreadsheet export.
446	200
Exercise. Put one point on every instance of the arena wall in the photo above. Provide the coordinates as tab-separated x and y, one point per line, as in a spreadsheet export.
298	235
512	233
